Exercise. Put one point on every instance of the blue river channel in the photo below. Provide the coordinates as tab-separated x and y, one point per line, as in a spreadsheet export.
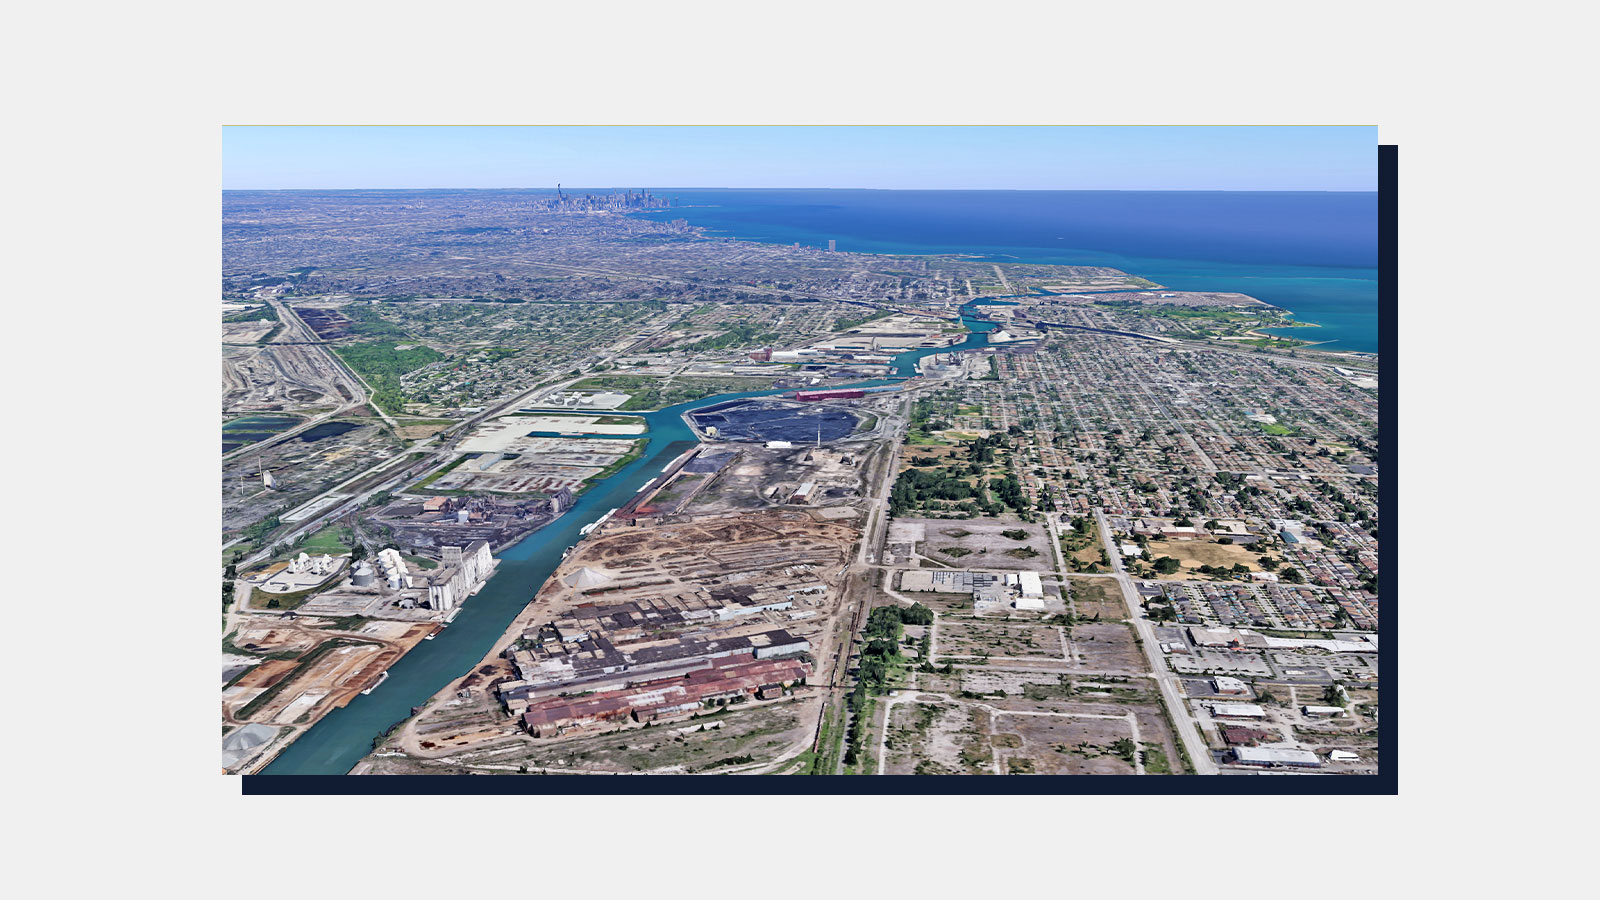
334	745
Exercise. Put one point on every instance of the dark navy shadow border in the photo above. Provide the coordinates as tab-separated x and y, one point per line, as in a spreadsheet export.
1385	783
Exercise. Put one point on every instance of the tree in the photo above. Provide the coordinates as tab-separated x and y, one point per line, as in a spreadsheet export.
1166	565
1293	576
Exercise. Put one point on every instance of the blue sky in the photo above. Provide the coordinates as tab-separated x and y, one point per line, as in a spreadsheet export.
1261	158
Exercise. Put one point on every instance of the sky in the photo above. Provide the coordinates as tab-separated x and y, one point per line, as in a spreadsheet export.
1155	158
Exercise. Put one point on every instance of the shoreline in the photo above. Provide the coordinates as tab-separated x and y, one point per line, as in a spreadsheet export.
1185	272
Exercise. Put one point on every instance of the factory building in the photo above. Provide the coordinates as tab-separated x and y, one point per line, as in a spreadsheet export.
730	679
462	573
1030	585
945	580
1272	757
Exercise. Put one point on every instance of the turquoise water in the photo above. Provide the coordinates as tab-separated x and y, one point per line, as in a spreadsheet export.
344	736
1314	254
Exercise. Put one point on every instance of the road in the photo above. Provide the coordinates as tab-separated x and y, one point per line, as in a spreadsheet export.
1003	280
1193	741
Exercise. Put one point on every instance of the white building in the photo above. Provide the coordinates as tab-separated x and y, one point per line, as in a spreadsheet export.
1226	685
1276	756
1030	585
463	572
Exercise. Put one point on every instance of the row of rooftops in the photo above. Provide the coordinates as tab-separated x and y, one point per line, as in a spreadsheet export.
559	663
658	698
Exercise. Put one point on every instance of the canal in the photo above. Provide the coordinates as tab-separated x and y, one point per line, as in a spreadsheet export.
335	744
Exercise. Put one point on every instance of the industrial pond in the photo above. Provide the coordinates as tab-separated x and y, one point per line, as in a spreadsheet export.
775	420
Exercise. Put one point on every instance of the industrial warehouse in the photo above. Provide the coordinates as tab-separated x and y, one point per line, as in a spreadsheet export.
576	676
656	658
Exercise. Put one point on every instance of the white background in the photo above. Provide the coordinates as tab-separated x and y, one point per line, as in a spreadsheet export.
111	370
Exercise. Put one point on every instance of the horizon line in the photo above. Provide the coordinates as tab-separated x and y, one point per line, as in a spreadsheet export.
770	188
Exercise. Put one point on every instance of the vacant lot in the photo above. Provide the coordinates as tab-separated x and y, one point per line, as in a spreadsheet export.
983	544
1097	597
1109	647
1059	745
941	738
933	735
998	640
944	604
1194	554
725	739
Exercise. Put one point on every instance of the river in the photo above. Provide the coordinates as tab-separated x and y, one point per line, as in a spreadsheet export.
336	743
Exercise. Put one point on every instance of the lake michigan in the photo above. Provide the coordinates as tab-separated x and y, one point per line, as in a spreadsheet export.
1314	254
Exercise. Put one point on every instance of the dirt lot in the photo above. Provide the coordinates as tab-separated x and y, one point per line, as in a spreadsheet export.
933	735
265	675
943	604
1097	596
1108	647
417	429
1194	554
1057	745
929	454
981	544
942	738
322	678
993	639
